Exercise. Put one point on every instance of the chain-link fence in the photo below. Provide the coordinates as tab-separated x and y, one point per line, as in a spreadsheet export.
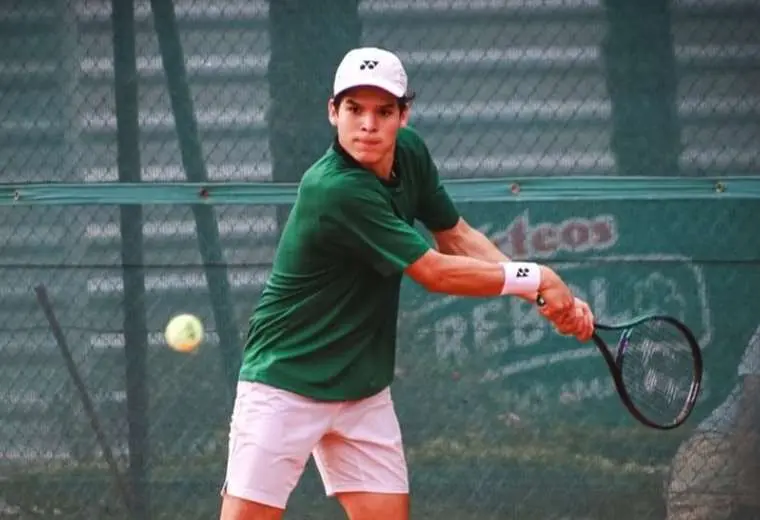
502	418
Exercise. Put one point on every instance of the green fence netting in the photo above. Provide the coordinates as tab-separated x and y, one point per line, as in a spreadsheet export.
143	151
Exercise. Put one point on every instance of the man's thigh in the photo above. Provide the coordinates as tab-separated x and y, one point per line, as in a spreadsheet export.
362	462
272	433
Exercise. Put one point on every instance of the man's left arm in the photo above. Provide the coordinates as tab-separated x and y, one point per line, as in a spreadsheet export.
465	240
454	236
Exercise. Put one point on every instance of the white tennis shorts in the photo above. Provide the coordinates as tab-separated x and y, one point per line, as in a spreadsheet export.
356	444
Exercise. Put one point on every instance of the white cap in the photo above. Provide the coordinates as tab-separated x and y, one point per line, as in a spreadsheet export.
370	66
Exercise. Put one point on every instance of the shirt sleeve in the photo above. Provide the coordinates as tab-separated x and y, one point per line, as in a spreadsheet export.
436	210
361	219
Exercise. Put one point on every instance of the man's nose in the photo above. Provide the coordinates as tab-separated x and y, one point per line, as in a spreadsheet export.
369	122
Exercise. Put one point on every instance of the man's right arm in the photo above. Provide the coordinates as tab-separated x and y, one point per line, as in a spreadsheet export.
465	276
362	220
459	275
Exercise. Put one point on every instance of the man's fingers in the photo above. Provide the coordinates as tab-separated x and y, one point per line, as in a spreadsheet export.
578	321
550	312
555	311
567	324
587	326
570	316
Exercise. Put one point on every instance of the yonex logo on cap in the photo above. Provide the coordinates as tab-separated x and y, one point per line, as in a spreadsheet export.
361	67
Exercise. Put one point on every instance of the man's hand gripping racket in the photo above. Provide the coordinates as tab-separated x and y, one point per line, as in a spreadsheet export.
656	363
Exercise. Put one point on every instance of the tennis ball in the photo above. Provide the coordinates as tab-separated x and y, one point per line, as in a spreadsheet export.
184	332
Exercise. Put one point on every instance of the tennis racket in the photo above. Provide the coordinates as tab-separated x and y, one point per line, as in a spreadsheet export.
656	365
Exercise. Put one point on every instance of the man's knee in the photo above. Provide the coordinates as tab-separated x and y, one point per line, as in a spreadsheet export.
370	506
235	508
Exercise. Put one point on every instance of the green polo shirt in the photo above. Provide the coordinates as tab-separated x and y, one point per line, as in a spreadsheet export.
325	325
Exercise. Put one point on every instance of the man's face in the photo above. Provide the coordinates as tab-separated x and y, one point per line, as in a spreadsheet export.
367	121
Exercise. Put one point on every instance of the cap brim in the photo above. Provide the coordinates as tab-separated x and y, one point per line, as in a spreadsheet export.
384	85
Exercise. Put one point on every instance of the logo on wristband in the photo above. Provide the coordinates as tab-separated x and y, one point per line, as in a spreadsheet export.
522	272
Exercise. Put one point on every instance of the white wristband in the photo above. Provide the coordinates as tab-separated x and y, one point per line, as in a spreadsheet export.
520	277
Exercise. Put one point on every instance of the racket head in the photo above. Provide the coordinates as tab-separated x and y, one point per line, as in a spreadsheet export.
657	367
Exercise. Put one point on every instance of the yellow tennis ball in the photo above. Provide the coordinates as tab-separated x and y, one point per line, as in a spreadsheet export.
184	332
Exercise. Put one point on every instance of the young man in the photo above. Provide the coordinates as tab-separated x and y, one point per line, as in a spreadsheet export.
321	346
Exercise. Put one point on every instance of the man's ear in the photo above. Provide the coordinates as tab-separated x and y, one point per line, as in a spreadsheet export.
332	112
405	115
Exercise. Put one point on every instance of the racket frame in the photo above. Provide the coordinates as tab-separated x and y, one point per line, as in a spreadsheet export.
615	365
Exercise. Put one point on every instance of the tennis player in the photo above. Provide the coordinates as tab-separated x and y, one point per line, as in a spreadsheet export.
320	353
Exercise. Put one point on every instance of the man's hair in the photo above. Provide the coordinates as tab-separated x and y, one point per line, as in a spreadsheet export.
403	102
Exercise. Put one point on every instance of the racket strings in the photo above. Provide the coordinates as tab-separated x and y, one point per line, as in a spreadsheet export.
657	369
